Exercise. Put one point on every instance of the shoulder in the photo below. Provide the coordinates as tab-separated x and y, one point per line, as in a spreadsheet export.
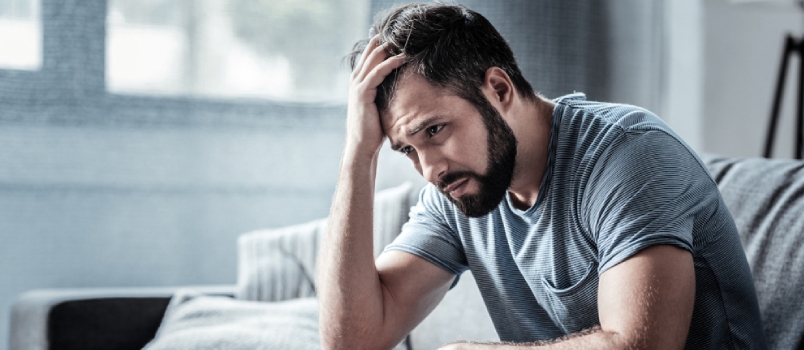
611	132
430	197
586	126
638	157
592	135
613	116
433	204
647	173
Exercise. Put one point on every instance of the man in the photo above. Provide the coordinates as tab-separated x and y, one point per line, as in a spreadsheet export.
585	224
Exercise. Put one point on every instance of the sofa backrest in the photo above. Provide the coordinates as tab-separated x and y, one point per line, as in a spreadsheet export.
280	264
766	199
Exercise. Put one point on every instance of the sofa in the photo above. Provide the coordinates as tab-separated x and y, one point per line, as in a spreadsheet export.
274	299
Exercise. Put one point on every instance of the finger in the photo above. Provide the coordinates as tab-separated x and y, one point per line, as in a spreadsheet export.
374	58
378	74
372	44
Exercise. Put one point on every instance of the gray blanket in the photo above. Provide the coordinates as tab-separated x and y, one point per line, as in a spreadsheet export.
195	321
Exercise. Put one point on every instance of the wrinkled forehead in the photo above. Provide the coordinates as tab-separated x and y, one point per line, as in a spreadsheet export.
414	98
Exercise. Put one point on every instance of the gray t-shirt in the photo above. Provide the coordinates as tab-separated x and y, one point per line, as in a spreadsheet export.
618	180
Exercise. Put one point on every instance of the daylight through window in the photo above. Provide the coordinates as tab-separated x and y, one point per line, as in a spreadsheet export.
20	35
288	50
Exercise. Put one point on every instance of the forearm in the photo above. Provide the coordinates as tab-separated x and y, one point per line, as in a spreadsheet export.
593	338
349	288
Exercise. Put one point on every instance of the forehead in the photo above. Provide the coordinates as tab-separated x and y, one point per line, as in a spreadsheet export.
415	99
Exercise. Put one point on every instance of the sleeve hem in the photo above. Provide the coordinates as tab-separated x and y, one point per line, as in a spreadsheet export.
455	270
633	248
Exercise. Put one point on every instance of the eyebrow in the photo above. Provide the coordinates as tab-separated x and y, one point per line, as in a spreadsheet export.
419	126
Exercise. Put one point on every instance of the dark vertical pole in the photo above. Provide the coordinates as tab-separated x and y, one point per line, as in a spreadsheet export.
777	99
800	99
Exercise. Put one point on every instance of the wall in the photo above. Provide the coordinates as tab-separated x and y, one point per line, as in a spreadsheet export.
91	206
681	65
742	50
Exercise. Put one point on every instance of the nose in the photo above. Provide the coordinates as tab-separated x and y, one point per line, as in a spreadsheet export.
432	165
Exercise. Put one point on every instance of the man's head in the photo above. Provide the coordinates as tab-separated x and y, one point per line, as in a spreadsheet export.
450	52
449	45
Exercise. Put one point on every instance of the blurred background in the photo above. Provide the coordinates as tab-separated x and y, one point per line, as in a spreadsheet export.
139	138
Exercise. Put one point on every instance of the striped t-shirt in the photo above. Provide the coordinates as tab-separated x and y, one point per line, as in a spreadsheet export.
618	180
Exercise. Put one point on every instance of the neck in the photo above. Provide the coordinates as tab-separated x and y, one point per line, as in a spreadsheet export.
531	123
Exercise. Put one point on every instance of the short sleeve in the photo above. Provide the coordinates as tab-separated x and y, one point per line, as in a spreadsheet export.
428	235
647	188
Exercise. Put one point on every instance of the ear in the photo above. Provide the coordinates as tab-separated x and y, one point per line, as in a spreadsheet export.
498	88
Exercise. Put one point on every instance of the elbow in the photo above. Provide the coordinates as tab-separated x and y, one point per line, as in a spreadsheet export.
338	338
332	339
638	341
345	343
344	339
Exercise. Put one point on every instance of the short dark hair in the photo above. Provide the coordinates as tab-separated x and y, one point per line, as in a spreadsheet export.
449	45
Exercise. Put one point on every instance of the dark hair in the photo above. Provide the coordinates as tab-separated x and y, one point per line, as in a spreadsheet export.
449	45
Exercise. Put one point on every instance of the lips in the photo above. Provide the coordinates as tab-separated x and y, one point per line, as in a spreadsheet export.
455	189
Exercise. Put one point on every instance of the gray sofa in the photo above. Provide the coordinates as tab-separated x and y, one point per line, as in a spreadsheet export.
766	198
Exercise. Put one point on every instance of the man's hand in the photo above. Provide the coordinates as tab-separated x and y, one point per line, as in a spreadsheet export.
363	129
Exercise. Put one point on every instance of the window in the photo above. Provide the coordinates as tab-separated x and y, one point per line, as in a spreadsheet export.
20	35
288	50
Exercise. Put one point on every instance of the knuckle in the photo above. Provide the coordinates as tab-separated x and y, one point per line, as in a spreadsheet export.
361	87
358	88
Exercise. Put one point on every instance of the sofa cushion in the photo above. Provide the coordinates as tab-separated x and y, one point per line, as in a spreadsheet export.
462	315
766	199
279	264
194	320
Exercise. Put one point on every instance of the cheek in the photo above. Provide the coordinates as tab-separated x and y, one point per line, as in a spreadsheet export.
468	154
415	160
418	168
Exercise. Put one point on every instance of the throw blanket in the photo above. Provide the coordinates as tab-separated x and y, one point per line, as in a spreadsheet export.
195	321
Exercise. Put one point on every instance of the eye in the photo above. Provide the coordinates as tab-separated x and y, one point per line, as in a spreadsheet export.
406	150
434	129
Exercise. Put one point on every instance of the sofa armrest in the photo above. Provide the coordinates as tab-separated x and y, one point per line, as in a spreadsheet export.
92	318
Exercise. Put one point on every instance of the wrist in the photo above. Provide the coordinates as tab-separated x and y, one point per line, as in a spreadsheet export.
360	152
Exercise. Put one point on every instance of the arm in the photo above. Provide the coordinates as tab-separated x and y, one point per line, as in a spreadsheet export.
363	305
645	302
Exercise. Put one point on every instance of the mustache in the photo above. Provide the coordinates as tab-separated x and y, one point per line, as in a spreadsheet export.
450	178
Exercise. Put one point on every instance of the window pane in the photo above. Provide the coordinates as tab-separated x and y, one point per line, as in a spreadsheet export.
20	34
275	49
145	46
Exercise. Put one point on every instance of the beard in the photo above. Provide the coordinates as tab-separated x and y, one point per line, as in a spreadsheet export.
492	185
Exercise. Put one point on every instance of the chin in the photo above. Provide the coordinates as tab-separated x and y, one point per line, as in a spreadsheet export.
476	205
